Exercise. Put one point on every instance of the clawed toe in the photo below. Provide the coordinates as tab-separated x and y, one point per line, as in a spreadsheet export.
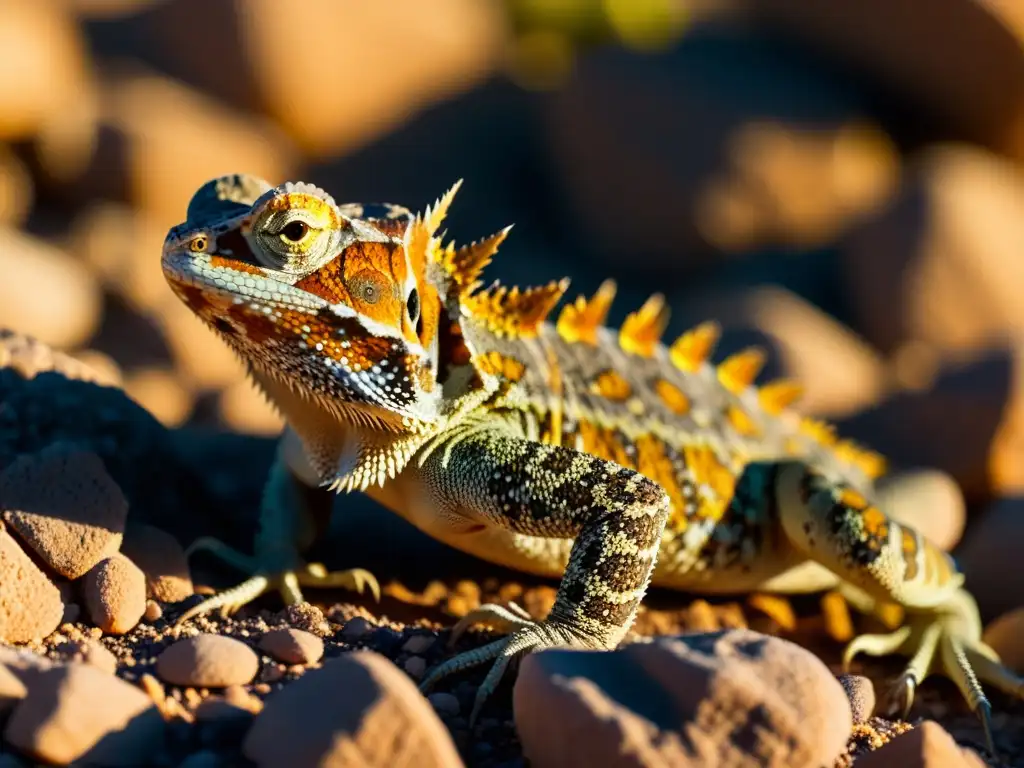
355	579
503	619
529	637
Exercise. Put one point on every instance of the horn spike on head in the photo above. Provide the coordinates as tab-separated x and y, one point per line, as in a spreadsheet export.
466	264
578	322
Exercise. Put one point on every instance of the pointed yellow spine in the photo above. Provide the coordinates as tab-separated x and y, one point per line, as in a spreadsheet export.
821	431
642	329
690	351
578	322
424	226
467	263
776	396
867	461
738	371
513	313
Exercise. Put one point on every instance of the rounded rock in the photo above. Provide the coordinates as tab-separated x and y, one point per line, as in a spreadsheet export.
162	559
75	712
382	720
1005	636
62	503
734	697
861	693
115	594
208	661
929	745
292	646
30	604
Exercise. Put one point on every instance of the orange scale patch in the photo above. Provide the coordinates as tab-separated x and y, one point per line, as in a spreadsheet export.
672	397
222	262
709	471
876	524
742	422
604	443
611	385
653	462
853	499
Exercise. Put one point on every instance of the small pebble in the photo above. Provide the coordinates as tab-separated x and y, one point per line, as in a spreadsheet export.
415	666
292	646
208	661
154	612
115	594
308	617
444	704
418	644
356	629
861	693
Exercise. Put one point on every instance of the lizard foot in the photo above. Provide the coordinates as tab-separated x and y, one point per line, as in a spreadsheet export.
947	641
287	582
526	636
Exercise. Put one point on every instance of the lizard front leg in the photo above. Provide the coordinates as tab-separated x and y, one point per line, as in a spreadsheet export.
294	513
496	477
881	561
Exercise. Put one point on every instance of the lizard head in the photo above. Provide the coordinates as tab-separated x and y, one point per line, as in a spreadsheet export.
320	297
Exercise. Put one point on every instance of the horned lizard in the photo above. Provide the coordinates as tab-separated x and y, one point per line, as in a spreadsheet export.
559	448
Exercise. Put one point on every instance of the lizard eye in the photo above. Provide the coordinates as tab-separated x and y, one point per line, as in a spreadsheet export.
412	304
198	244
295	232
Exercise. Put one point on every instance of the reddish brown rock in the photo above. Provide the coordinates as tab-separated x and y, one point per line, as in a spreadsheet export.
938	267
65	306
12	690
724	698
75	712
1005	636
65	506
161	558
929	745
382	720
861	694
115	594
30	604
292	646
207	661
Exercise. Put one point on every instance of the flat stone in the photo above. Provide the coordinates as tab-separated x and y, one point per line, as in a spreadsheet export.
207	661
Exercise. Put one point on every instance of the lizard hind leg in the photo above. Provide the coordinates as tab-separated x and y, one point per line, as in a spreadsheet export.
884	563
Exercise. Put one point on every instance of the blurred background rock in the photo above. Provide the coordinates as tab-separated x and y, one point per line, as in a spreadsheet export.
839	181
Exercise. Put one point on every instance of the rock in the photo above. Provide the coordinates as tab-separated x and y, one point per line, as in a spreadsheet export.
207	661
45	63
928	501
64	505
29	357
90	652
153	612
444	704
12	690
929	745
162	559
839	372
696	162
415	667
382	720
945	241
160	140
75	712
109	237
292	646
30	604
916	57
160	390
244	408
308	617
418	644
16	189
860	692
973	415
64	307
356	629
115	594
426	54
1005	635
724	698
990	556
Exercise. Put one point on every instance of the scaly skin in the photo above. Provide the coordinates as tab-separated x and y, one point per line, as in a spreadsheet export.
561	449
